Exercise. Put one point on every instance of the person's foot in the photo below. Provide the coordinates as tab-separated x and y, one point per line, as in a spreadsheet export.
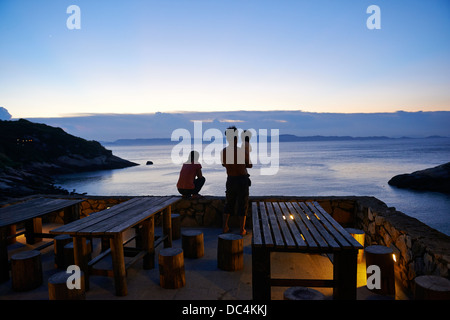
243	232
226	230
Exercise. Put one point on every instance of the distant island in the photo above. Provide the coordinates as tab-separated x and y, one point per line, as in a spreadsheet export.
30	153
282	138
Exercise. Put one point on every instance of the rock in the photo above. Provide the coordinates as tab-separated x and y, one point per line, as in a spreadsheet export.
432	179
148	163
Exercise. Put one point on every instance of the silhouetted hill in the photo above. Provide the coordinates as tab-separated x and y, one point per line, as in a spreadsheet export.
31	152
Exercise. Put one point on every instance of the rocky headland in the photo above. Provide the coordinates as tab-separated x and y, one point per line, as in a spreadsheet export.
431	179
31	153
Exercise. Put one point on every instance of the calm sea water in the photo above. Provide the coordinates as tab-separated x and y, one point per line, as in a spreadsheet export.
326	168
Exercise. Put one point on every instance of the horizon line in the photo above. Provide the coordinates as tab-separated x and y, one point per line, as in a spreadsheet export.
83	114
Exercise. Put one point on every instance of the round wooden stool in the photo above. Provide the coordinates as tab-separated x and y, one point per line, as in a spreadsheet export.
176	226
26	270
429	287
381	256
59	242
359	236
58	289
171	268
303	293
69	258
192	243
230	252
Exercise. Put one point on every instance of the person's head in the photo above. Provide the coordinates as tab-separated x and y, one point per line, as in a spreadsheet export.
193	156
232	135
246	135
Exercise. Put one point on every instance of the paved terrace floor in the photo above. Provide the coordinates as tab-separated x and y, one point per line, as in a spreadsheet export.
204	281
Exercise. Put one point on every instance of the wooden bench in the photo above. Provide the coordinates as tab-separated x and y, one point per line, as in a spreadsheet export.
110	224
303	227
30	213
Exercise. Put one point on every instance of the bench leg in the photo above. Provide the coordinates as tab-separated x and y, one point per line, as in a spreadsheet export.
344	275
148	243
81	257
261	274
118	260
167	227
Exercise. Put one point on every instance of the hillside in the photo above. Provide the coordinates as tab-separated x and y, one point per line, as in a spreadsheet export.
30	153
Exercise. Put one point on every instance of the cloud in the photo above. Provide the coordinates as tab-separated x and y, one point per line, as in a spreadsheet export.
110	127
4	114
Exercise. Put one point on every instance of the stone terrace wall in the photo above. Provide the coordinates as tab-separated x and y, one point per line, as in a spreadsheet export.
419	249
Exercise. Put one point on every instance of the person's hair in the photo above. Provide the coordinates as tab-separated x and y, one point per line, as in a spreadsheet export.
246	135
231	136
193	156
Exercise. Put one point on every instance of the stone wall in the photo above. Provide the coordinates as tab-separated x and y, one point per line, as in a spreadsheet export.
419	249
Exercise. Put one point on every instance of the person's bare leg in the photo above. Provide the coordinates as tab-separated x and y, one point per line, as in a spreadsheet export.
226	217
242	225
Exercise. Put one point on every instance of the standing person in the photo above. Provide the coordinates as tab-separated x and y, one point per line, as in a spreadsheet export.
236	161
191	179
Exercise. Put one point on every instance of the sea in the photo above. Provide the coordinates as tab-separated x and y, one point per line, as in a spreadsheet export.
300	168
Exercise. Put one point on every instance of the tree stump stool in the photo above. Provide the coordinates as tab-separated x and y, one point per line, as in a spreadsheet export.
171	268
429	287
69	258
302	293
359	236
59	242
58	289
176	226
192	243
230	252
382	257
26	270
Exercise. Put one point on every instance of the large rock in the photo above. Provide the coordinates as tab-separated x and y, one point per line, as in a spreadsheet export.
432	179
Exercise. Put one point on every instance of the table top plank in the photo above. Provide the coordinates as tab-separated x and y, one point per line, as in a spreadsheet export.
265	225
33	208
282	222
257	239
320	227
337	226
296	233
119	217
302	227
312	229
274	225
94	218
152	208
337	236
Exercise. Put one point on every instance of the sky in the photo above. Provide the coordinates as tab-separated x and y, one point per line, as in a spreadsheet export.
152	56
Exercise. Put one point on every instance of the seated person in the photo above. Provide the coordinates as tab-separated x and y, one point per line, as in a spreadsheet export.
191	179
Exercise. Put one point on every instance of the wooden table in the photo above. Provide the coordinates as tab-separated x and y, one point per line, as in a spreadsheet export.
110	224
30	213
303	227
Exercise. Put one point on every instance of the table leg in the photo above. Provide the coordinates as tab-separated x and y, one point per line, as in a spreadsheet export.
71	213
33	226
261	274
4	266
118	260
81	258
344	274
148	243
167	227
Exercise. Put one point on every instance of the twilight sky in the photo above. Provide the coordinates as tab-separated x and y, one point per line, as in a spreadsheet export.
223	55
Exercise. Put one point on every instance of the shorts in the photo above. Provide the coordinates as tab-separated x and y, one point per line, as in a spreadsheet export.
237	193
